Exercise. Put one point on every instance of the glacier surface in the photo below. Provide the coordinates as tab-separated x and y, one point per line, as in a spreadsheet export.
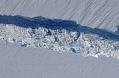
59	35
103	14
27	62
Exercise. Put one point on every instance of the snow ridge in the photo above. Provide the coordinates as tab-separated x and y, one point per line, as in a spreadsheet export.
59	35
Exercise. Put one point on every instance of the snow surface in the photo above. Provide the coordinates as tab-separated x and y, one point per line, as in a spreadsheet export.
66	37
92	13
59	35
22	62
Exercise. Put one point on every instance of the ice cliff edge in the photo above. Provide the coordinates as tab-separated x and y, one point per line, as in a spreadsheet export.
59	35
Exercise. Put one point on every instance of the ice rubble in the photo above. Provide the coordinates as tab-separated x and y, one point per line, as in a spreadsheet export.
62	40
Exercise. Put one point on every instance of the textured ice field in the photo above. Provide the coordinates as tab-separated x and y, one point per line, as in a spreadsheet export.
92	13
85	44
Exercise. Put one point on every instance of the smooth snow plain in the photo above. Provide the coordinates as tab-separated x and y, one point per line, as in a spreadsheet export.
93	13
22	62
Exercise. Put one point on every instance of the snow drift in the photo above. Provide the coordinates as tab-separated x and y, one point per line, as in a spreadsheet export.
59	35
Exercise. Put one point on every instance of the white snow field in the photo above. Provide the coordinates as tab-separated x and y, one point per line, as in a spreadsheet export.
22	62
92	13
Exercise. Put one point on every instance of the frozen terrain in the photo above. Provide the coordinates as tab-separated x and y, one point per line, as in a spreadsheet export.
59	35
48	38
92	13
22	62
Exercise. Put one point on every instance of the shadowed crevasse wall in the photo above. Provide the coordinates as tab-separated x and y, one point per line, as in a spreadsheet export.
55	24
